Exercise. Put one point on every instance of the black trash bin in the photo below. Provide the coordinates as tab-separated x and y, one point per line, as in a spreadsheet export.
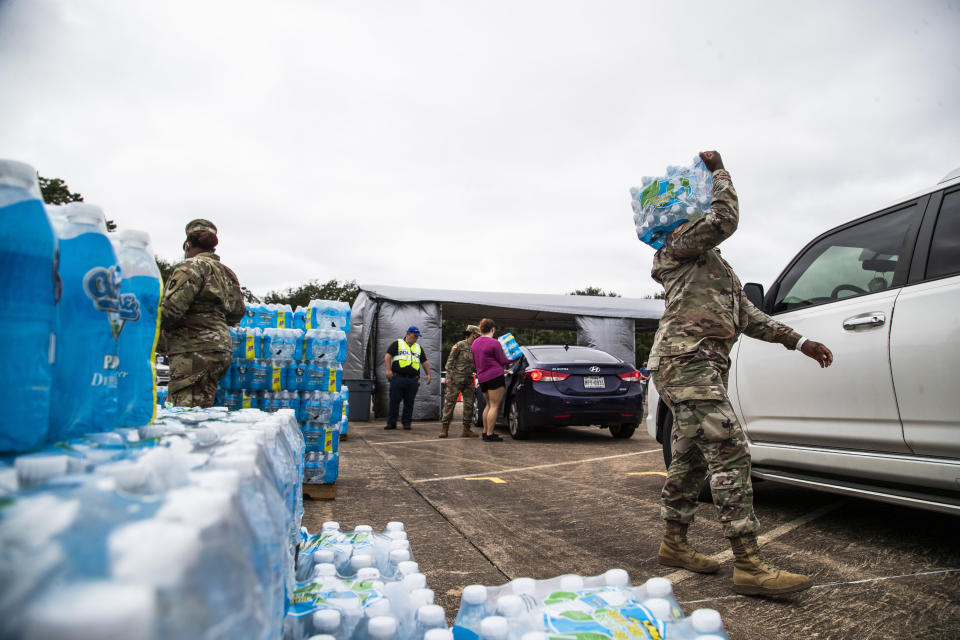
360	394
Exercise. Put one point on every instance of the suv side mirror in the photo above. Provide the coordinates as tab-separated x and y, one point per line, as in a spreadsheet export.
754	293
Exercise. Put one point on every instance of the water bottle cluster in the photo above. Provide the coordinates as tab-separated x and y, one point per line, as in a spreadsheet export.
361	585
661	204
184	528
276	367
574	606
510	347
78	312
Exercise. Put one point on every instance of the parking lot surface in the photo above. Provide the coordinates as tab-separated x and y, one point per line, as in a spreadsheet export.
578	501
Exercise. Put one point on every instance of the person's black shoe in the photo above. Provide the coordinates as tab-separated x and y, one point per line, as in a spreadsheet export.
492	438
406	427
390	426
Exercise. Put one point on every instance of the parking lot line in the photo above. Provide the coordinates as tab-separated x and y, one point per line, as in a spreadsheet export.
538	466
782	530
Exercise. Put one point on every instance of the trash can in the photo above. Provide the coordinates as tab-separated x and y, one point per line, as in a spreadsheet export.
360	394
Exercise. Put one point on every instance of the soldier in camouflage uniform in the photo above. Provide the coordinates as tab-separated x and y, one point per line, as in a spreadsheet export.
459	380
705	311
202	298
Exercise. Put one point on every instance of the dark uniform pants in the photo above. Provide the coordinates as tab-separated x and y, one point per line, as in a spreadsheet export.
707	441
455	388
405	390
194	377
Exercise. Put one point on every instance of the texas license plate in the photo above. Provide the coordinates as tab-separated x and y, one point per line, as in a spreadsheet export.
593	382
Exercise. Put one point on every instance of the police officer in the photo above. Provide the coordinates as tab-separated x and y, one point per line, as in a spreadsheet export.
202	298
705	311
459	380
403	361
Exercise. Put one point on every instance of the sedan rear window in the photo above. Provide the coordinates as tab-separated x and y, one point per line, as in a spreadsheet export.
553	355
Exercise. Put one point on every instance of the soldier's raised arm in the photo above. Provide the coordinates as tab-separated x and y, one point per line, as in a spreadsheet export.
719	224
182	287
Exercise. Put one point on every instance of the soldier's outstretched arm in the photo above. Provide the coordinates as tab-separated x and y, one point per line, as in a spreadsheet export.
181	288
720	222
759	325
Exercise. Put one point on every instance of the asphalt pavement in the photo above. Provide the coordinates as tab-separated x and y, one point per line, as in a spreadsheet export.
578	501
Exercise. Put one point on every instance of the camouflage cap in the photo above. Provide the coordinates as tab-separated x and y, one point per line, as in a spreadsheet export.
472	328
201	225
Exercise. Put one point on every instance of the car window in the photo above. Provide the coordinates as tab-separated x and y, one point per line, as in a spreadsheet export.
854	261
944	257
552	355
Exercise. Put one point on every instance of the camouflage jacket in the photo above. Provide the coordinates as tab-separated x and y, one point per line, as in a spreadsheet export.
201	300
705	307
460	362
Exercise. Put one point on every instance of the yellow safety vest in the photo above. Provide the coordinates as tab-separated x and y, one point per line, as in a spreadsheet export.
408	355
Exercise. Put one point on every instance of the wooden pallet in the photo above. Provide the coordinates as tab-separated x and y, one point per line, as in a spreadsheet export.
320	491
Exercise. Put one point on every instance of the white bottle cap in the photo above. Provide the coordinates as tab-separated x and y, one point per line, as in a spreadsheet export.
323	555
92	610
571	582
368	573
407	567
421	597
706	621
399	555
326	620
322	636
330	524
523	586
361	561
616	578
363	528
394	526
510	605
660	609
658	588
400	544
380	607
474	594
134	237
415	581
494	628
431	615
441	634
397	535
21	175
382	628
324	569
534	635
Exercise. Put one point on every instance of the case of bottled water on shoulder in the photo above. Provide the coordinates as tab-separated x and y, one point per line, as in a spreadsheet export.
661	204
29	290
510	347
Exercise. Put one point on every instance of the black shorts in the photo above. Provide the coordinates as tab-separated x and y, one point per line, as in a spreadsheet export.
490	385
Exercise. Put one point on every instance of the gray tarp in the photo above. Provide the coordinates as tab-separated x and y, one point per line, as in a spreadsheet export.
382	314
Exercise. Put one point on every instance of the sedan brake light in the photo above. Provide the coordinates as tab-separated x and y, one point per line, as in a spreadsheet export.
541	375
630	376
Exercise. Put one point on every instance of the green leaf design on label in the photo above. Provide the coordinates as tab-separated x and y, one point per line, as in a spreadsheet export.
561	596
586	635
578	616
652	189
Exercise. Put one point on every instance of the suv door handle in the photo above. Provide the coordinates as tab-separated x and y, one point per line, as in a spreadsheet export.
872	319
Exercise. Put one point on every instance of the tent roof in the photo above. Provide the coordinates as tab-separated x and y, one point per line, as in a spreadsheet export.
526	309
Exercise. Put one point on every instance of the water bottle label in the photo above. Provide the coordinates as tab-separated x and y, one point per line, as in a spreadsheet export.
281	314
249	349
332	386
328	441
275	378
246	402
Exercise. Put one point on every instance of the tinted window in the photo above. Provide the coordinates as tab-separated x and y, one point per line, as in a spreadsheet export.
854	261
944	257
554	355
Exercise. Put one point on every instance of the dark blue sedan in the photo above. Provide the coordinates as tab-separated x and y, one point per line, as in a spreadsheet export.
565	386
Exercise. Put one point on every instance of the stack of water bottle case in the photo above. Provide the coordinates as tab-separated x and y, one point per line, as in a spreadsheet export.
294	359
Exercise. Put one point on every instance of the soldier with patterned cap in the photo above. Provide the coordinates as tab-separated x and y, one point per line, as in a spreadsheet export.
201	299
705	312
459	380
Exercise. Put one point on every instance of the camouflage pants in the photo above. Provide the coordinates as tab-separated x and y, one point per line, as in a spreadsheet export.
455	388
707	441
194	377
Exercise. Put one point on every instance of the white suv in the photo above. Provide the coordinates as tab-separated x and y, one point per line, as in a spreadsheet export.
883	293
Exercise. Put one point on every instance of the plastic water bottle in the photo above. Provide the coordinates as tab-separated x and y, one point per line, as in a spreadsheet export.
429	617
92	611
438	634
382	628
84	397
515	611
510	347
706	623
662	610
494	628
140	294
473	608
661	588
28	297
326	621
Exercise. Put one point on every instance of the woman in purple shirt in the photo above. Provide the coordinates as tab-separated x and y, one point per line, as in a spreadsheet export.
489	361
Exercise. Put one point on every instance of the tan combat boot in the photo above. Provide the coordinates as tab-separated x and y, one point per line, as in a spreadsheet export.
444	428
753	577
675	552
467	433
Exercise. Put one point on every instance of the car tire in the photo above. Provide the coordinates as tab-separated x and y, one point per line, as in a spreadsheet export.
517	429
667	435
623	430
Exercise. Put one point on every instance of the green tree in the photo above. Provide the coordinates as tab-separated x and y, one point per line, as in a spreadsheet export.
56	191
165	268
593	291
301	296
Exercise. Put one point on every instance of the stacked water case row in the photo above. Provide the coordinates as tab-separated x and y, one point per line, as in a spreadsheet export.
277	365
185	528
79	316
361	585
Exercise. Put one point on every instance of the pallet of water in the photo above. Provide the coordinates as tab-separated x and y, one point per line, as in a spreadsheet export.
361	585
184	528
572	607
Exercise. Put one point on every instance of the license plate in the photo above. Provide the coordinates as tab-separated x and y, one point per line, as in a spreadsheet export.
593	382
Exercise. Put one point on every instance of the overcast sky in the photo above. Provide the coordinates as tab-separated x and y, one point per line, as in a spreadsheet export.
481	145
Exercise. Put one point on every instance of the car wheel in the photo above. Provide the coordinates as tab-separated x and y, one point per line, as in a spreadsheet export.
515	422
623	430
667	435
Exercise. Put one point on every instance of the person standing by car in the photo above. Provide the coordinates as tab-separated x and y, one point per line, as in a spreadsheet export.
201	299
459	380
403	361
705	311
489	361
